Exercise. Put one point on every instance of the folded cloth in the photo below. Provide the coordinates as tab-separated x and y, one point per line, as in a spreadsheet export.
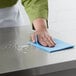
60	45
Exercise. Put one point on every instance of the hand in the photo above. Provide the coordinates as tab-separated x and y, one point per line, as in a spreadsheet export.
43	37
41	32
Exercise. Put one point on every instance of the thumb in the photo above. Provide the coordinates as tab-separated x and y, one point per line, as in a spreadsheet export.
33	37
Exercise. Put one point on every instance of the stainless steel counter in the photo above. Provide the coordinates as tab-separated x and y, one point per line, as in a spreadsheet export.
16	56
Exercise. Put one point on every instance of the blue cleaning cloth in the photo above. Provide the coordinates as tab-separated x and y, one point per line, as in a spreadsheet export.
60	45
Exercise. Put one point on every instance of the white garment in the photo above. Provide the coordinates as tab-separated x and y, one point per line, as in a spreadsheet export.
11	16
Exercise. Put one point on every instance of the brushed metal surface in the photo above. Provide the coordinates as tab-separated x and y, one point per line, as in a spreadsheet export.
17	56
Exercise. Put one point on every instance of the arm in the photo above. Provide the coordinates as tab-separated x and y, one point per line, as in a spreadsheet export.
38	14
36	8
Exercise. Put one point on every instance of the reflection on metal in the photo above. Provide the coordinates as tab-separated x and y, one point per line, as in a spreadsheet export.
14	38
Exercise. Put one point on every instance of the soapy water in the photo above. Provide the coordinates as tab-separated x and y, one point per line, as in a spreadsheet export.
15	38
13	45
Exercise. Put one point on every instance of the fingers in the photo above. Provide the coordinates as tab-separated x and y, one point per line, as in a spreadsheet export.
33	37
50	42
42	42
44	39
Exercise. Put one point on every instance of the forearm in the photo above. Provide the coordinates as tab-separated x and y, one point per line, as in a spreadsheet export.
37	11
